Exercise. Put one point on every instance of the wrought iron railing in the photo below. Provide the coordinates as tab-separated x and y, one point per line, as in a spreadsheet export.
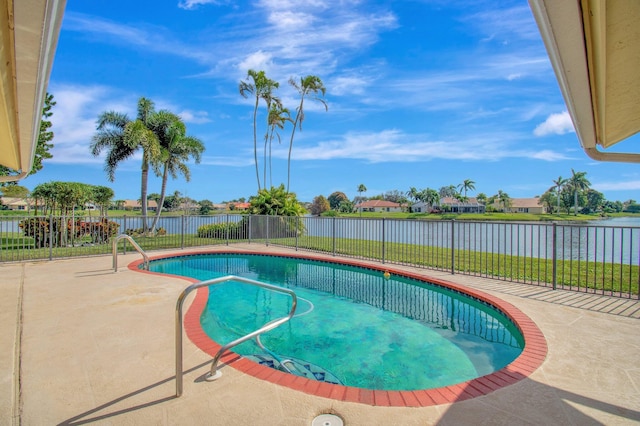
592	258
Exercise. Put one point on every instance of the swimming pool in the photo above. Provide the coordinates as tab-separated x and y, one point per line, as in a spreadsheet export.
362	329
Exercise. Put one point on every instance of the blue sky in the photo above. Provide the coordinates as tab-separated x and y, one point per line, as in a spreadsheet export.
420	94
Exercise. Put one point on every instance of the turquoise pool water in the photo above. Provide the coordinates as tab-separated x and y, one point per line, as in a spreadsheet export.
352	323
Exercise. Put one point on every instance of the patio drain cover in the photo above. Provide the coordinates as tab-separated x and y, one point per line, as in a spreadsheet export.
327	420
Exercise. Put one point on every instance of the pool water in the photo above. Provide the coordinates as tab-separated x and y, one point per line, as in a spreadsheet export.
352	323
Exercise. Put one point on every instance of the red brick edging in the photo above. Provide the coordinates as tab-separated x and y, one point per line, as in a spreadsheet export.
533	355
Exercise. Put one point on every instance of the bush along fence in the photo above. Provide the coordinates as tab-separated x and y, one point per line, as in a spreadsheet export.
590	258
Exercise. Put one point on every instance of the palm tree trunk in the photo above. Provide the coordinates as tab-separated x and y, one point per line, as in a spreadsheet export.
143	195
165	177
255	141
270	164
293	132
264	175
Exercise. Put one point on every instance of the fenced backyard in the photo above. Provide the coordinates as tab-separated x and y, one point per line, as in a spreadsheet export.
589	258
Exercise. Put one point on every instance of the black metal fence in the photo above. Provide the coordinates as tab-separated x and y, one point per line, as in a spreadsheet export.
590	258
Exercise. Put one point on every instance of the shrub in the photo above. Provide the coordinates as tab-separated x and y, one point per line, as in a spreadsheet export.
221	230
54	232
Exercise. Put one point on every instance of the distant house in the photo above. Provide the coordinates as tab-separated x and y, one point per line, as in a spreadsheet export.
523	205
135	205
218	206
451	204
239	206
17	204
378	206
189	206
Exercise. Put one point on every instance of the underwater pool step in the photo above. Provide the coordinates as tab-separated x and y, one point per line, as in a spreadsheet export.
297	367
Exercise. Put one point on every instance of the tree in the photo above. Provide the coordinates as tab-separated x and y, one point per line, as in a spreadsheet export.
468	184
122	138
557	186
548	199
595	200
319	205
176	149
336	198
278	116
430	197
395	196
345	206
504	199
261	87
14	191
172	202
448	191
578	182
361	189
102	196
275	202
482	198
44	142
206	206
310	85
413	194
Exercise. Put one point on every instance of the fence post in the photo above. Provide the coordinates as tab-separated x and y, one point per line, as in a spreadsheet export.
249	230
554	254
227	228
383	245
267	231
297	230
182	232
51	237
453	244
333	235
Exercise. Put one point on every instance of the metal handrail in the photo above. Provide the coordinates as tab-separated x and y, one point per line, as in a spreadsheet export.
214	374
134	244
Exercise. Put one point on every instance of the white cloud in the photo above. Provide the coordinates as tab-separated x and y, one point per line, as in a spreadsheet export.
259	60
558	124
196	117
397	146
236	161
193	4
617	186
74	120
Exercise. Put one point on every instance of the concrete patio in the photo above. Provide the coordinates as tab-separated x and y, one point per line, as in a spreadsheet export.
82	344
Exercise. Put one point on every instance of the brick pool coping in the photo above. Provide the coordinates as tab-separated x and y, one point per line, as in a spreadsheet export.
532	356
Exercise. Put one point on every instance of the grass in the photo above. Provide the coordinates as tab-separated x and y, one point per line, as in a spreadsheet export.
493	216
595	276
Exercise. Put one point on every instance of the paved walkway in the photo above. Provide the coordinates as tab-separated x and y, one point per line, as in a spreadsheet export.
82	344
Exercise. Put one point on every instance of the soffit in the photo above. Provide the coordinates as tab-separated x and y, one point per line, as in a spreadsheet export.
29	30
594	47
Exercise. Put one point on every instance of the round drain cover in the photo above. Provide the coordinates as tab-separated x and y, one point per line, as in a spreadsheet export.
327	420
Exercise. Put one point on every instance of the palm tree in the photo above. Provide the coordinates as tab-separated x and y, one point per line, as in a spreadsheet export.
177	149
413	193
310	85
122	137
430	196
578	182
278	116
261	87
361	189
448	191
504	198
467	184
557	186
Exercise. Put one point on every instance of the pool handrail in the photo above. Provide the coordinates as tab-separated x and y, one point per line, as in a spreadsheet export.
213	373
134	244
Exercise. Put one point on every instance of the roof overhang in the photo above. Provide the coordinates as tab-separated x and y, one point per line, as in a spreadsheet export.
594	47
29	32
